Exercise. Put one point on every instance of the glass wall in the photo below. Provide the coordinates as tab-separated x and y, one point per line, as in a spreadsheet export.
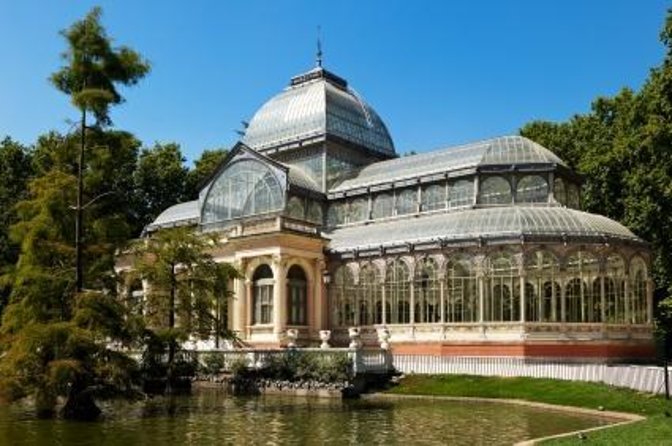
502	290
532	189
398	292
495	190
550	291
245	188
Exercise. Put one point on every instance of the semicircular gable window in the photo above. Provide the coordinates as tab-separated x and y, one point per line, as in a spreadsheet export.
246	188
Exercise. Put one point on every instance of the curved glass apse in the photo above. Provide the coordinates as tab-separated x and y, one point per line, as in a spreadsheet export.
246	188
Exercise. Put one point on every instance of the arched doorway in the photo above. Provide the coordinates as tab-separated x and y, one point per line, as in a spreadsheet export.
263	295
297	296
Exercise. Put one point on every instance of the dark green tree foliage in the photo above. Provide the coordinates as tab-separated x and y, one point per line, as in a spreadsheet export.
623	147
15	170
160	180
185	285
204	168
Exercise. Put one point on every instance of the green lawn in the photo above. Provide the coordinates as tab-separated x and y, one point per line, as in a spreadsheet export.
655	430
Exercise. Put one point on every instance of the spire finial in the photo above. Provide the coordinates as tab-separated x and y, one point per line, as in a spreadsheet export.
318	60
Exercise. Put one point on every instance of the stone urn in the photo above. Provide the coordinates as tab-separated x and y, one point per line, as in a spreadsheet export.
292	334
325	336
354	333
384	338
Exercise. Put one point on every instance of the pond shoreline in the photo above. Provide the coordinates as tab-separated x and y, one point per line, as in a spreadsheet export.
621	418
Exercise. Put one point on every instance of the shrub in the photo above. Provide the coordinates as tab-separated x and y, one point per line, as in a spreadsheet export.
213	363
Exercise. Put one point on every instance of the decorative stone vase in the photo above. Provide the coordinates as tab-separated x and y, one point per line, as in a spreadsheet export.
355	342
292	334
325	336
384	338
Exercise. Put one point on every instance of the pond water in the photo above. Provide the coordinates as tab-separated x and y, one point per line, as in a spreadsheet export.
211	417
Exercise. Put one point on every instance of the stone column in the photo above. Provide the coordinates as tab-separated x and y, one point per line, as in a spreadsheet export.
249	307
442	295
279	296
239	307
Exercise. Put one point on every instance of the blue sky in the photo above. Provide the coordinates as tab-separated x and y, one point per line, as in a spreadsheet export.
438	72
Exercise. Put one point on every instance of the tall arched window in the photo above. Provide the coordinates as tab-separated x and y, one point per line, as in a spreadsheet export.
427	292
369	296
382	206
398	292
342	292
263	295
461	292
638	293
532	189
245	188
297	296
614	290
495	190
502	302
582	293
543	304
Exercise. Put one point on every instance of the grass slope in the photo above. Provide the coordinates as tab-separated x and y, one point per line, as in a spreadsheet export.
655	430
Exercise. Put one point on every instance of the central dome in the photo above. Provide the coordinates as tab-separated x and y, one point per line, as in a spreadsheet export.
316	105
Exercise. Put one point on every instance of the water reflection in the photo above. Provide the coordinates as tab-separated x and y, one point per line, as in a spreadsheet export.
211	417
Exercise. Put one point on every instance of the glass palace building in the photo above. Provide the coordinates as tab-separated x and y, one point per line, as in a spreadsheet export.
475	250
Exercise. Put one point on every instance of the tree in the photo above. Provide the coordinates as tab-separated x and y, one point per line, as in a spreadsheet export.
622	148
51	344
90	77
204	168
15	170
185	284
160	180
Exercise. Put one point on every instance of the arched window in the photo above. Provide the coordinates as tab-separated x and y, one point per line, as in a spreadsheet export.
263	295
461	292
297	300
614	290
342	292
245	188
543	304
461	193
502	302
433	197
582	294
532	189
407	200
382	206
359	210
495	190
369	295
427	292
398	292
295	207
559	193
638	293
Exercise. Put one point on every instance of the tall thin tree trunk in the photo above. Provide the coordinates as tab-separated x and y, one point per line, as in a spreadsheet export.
79	279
